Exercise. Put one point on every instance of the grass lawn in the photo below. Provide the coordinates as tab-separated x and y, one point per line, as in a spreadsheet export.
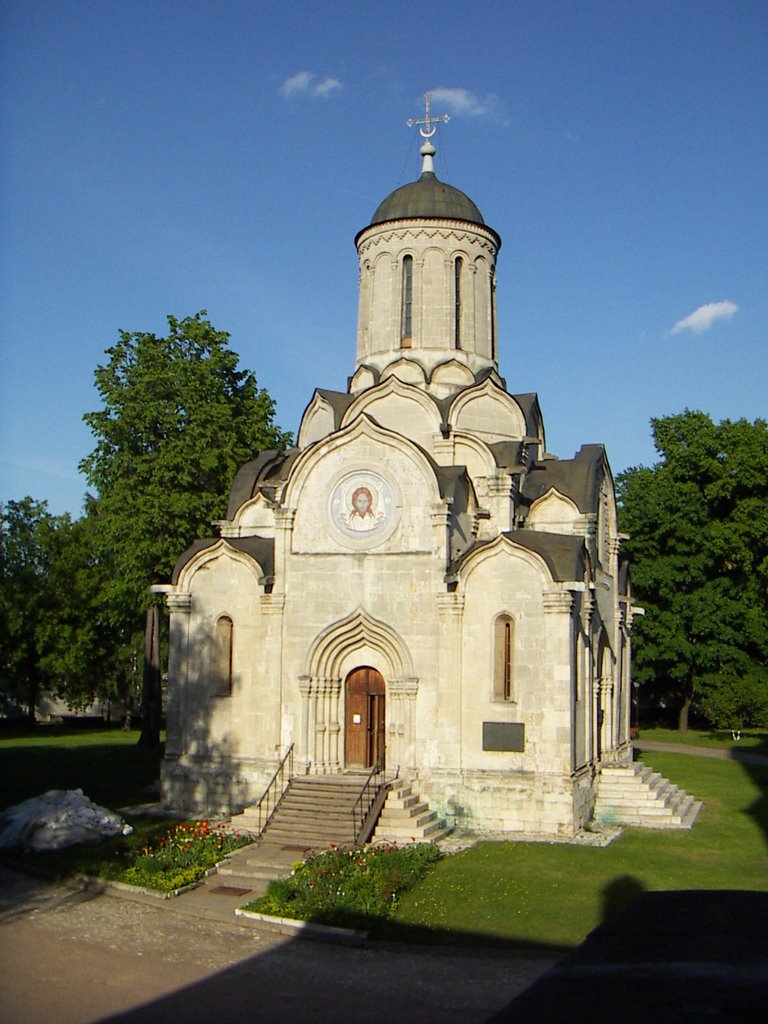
110	768
531	894
106	763
545	894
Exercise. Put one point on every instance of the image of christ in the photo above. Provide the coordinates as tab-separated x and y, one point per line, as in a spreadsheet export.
362	516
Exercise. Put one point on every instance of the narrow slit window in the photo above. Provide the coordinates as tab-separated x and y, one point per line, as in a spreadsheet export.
504	639
457	269
406	312
223	657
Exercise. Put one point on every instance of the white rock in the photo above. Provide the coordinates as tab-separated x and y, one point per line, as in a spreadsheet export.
57	819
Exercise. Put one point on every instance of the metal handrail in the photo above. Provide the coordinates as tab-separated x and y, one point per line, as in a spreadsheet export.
271	794
362	807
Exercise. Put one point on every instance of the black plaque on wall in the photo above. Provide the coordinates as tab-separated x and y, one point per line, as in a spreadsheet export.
504	736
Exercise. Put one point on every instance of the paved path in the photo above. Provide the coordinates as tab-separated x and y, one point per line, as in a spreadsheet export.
74	957
721	753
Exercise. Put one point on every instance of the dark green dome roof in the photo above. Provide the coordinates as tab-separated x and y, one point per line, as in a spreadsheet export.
427	197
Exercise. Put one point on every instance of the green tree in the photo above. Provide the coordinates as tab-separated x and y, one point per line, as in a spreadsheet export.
698	526
178	419
86	650
28	546
56	635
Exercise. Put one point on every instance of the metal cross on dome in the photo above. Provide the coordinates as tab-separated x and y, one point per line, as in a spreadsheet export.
428	132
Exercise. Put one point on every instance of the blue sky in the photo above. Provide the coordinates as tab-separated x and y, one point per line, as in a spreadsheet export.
167	157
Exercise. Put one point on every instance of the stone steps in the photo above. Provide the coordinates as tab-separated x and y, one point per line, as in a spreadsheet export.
314	811
637	795
405	818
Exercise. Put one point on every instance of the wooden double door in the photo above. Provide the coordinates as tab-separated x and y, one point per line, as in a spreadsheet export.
365	719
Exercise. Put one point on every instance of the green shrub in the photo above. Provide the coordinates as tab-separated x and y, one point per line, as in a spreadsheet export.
164	880
348	886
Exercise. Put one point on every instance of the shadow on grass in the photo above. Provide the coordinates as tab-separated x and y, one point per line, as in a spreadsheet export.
759	808
112	774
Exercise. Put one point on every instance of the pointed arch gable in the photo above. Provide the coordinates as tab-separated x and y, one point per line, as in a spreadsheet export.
401	407
407	371
462	449
364	377
202	557
256	516
317	422
361	429
452	373
502	546
488	411
358	630
553	509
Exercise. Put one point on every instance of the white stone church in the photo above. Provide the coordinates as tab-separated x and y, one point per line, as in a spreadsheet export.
418	584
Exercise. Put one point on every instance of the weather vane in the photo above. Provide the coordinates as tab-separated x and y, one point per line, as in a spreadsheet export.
429	121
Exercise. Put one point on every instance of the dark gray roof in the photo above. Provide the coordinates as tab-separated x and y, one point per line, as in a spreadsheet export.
449	478
578	478
427	197
260	549
565	557
508	454
339	401
268	468
529	403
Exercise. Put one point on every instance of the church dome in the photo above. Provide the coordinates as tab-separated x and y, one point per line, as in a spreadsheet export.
427	197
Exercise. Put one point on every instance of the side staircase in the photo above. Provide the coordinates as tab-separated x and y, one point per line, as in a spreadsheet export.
405	818
637	795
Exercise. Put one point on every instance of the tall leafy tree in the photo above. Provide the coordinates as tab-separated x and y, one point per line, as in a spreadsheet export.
177	420
56	634
29	539
698	526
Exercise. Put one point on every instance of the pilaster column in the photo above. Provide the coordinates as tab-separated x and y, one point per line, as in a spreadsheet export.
401	696
180	607
440	515
501	493
305	689
321	726
450	678
284	520
334	725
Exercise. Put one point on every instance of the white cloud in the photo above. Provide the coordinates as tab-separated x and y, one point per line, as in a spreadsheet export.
701	319
462	103
299	82
326	87
303	82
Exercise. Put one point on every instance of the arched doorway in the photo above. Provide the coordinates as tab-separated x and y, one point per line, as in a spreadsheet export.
364	730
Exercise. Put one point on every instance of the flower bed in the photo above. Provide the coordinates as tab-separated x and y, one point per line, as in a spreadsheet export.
182	856
348	886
